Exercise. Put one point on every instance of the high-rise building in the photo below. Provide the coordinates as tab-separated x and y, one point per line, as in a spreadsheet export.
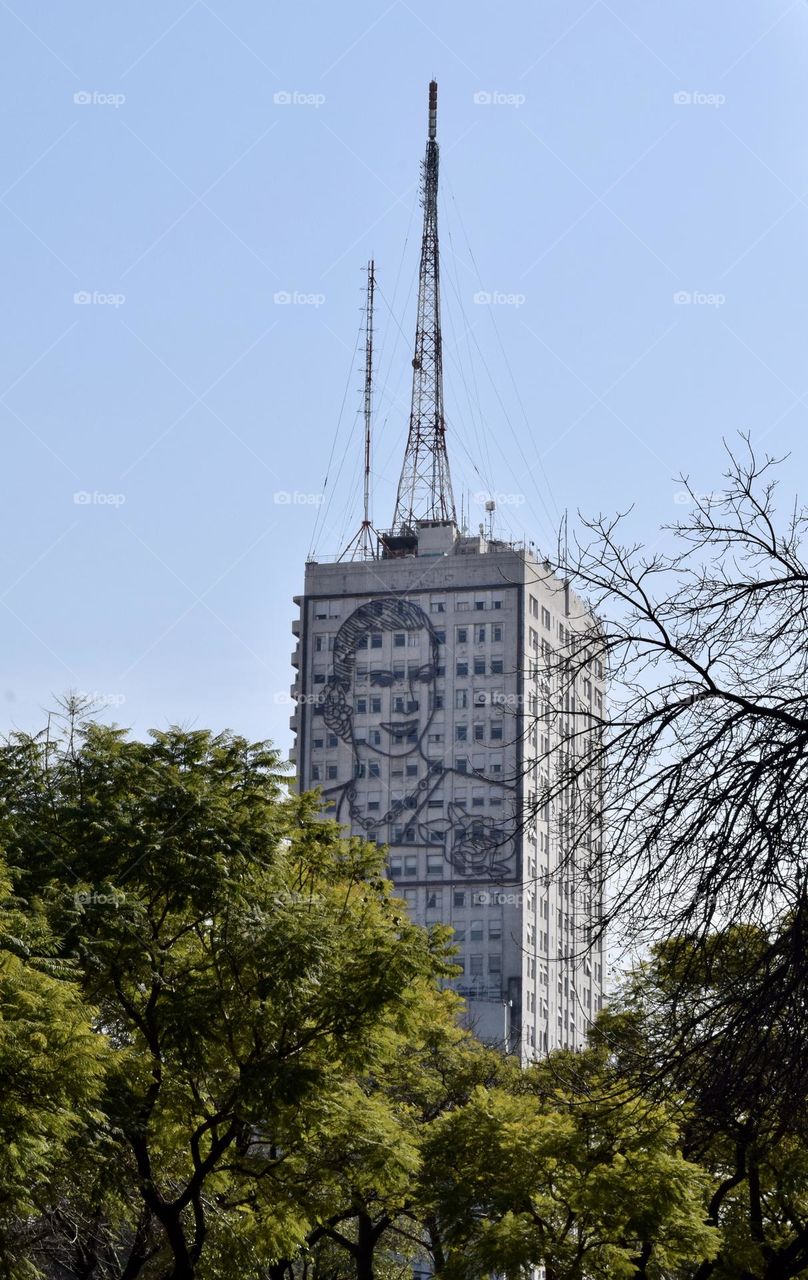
441	680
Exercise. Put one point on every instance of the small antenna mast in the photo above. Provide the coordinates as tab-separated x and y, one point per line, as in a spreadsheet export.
362	545
367	544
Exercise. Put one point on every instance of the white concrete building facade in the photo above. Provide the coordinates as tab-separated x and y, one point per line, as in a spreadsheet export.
429	710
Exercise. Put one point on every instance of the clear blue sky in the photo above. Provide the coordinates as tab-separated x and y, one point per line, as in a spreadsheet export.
182	399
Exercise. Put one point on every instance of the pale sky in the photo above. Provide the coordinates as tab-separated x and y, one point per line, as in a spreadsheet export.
169	168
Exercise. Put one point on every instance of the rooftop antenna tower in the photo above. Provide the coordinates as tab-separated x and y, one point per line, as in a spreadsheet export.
425	486
363	545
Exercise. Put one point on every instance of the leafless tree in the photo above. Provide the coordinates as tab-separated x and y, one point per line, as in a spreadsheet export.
701	755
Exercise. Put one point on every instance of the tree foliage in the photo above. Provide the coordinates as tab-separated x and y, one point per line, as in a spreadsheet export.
52	1065
570	1171
247	965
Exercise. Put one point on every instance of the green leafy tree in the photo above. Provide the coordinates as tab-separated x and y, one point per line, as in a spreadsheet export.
51	1064
375	1213
569	1171
247	965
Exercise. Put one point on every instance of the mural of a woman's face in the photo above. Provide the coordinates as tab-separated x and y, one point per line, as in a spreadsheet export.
406	707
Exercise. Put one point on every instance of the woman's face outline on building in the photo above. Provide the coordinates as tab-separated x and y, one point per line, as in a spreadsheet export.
402	733
402	728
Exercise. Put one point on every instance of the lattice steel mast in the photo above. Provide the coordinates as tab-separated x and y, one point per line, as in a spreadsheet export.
363	545
425	486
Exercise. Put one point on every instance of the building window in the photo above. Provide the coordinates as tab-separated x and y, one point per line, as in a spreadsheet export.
399	639
376	706
461	635
434	864
376	638
461	699
497	667
495	963
496	730
461	764
476	966
459	898
434	899
461	732
315	773
479	666
331	772
437	606
496	633
461	668
476	930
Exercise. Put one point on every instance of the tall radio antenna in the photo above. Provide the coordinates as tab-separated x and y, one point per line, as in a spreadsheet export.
425	486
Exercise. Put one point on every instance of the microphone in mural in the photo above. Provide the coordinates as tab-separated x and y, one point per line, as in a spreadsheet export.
397	708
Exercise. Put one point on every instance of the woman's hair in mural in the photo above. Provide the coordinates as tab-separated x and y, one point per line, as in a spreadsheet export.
390	613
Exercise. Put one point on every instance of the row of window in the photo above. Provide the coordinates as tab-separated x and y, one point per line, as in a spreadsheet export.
479	667
462	604
473	964
373	802
495	733
480	633
474	931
